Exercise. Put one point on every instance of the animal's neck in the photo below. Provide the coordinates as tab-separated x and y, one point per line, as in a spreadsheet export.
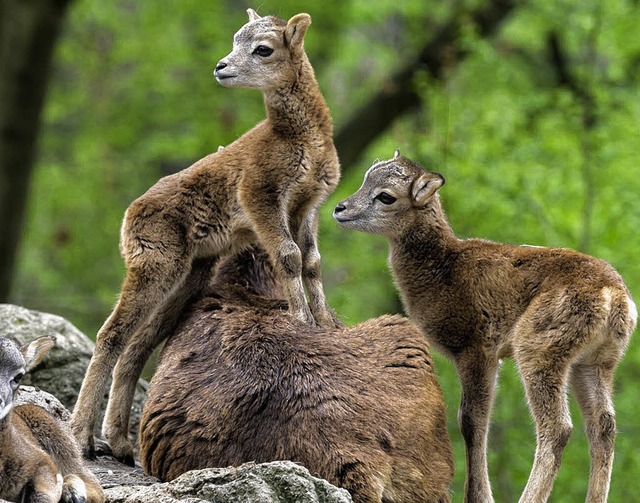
299	109
428	244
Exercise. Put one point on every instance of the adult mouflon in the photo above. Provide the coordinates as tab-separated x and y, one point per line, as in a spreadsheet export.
240	381
564	317
265	187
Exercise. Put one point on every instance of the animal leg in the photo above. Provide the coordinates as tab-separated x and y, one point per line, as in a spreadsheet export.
312	274
544	378
271	224
358	479
131	363
592	386
478	380
147	285
44	487
73	490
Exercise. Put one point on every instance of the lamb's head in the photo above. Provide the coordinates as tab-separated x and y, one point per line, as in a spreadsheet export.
266	54
390	192
15	362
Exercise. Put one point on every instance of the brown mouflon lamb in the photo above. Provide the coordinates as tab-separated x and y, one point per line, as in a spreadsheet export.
265	187
564	317
40	461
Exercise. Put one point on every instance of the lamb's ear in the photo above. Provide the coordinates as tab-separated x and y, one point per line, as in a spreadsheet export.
424	187
34	352
296	28
253	15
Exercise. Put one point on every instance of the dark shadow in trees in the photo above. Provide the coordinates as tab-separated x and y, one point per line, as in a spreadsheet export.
28	33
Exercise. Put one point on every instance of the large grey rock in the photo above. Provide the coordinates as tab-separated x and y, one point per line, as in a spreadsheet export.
275	482
63	369
30	395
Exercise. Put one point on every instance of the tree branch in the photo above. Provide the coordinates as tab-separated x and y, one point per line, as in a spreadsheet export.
398	95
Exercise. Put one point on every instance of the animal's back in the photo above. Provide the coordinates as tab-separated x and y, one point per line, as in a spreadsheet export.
238	383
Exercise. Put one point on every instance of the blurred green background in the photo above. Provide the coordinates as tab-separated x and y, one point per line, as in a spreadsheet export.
533	116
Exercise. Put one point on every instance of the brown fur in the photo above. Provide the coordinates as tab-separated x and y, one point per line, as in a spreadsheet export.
40	461
565	318
266	187
240	381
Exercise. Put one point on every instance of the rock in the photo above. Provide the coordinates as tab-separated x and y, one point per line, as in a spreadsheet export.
113	474
63	369
277	482
30	395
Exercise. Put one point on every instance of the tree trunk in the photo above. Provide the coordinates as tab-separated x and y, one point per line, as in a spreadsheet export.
28	32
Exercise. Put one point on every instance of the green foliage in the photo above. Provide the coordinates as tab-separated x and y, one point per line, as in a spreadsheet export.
527	159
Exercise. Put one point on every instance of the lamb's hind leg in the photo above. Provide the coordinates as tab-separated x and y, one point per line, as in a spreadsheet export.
312	274
592	386
545	378
130	365
149	281
477	375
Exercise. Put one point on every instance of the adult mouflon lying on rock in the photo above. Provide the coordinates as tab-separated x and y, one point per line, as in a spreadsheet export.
242	381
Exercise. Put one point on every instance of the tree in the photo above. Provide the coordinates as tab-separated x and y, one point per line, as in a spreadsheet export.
28	32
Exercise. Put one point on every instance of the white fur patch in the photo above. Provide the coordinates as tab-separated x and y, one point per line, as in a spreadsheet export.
606	297
633	310
5	411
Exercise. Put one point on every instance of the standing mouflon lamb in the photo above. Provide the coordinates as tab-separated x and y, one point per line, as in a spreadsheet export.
565	318
40	461
265	187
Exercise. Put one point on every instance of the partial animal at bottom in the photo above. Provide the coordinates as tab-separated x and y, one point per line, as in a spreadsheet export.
240	381
265	188
564	317
40	461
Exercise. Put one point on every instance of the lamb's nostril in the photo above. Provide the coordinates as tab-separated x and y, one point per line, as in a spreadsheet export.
340	208
221	65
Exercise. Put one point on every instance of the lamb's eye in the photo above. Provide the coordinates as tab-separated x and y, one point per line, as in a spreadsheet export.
385	198
263	50
17	378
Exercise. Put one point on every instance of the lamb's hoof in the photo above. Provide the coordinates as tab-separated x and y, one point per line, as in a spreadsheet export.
89	450
123	452
73	490
102	447
127	459
329	321
89	453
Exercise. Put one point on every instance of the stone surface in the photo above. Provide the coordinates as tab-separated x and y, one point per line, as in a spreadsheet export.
30	395
277	482
63	369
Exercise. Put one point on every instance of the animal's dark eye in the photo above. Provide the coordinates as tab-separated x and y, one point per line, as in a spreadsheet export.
263	50
385	198
17	378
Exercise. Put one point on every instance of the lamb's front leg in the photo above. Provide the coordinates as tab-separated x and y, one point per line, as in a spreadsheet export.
477	374
271	224
312	273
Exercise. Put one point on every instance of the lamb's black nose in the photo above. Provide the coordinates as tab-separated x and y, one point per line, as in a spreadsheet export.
340	208
221	65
